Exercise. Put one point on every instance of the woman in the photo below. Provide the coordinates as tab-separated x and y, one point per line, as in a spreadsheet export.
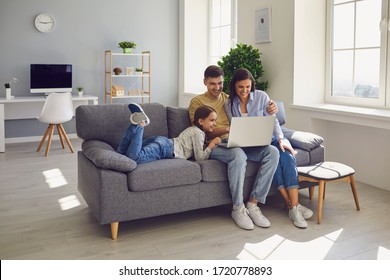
245	101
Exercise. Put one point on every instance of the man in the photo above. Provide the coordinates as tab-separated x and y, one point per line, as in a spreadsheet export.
236	158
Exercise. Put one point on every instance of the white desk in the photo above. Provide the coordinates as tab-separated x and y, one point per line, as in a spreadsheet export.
30	107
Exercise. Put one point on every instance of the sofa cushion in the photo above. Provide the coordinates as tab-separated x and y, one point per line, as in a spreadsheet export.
104	156
109	122
163	173
216	171
213	170
158	120
281	114
178	120
302	140
106	123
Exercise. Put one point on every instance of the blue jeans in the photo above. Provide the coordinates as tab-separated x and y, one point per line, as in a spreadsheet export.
235	158
141	151
286	174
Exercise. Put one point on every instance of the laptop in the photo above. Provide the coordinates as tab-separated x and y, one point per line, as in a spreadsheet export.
250	131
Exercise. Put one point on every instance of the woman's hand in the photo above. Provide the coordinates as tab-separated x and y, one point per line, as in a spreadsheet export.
285	145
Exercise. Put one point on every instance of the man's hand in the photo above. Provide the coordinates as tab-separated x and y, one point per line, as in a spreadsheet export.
272	108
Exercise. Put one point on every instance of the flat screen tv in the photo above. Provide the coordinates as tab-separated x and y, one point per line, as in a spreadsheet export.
46	78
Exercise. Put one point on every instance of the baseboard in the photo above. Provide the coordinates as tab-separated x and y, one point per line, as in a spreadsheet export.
35	138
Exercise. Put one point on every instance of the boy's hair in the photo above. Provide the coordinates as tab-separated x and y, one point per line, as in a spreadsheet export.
213	71
202	112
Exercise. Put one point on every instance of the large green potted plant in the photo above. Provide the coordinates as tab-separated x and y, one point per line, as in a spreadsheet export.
127	46
243	56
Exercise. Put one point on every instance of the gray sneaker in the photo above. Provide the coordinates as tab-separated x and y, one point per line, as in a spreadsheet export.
257	217
240	216
306	212
297	217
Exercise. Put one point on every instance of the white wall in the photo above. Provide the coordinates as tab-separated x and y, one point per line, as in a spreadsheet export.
84	29
277	57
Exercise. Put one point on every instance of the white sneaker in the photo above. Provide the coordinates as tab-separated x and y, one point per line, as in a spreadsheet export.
138	118
306	212
138	115
297	217
240	216
257	217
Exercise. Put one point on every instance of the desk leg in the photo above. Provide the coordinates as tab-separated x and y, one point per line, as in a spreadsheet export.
2	128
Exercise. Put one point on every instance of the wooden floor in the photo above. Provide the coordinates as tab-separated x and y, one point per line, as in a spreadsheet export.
42	216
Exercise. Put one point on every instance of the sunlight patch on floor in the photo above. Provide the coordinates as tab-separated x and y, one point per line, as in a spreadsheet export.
279	248
54	178
69	202
383	253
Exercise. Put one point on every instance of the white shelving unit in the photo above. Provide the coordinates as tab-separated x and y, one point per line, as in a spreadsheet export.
135	86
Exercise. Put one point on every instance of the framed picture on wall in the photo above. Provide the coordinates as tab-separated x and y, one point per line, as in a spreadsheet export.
263	25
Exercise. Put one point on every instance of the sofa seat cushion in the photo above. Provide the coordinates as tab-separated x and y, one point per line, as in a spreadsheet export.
216	171
104	156
163	174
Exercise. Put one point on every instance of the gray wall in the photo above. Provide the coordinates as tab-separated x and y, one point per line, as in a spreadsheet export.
83	30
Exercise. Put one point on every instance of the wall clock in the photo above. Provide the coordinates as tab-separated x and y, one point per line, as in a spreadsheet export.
44	23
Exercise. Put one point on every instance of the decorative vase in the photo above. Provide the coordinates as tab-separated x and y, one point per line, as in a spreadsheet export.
127	50
81	93
117	71
8	93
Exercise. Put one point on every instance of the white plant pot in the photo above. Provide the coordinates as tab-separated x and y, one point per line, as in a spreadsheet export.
8	93
81	93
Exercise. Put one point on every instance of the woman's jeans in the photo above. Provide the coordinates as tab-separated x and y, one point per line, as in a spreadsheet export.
286	174
236	160
141	151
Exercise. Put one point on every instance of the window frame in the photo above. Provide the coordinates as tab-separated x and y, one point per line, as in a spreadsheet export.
383	100
233	30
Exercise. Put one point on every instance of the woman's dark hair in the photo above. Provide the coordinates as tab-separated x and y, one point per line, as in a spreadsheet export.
202	112
213	71
240	75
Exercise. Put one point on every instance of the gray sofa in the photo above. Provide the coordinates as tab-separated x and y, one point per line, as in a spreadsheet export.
117	190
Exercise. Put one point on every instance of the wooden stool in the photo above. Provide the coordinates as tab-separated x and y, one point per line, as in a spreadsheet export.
324	172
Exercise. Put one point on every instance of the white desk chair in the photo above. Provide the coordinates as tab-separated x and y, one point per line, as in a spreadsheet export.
58	109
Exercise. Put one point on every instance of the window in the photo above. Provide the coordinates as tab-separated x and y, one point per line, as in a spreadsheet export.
222	28
357	44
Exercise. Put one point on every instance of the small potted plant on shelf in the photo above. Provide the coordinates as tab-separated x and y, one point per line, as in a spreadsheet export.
138	71
80	91
127	46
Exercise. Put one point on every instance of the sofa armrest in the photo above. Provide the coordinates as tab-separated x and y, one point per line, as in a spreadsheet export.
303	140
104	156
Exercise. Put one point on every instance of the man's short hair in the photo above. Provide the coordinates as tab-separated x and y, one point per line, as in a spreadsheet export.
213	71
